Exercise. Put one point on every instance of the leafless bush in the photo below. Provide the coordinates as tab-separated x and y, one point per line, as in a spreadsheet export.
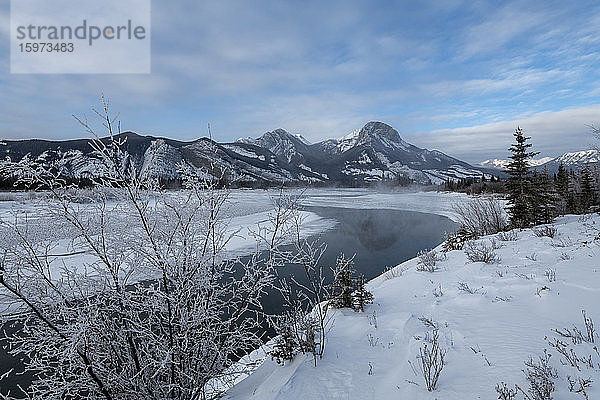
393	272
456	240
550	274
479	251
496	245
504	393
532	256
508	236
428	322
563	349
481	216
589	328
540	375
565	256
576	335
431	361
91	329
579	385
562	242
428	260
307	253
546	230
464	286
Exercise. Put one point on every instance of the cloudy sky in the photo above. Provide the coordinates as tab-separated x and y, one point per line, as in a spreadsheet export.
458	76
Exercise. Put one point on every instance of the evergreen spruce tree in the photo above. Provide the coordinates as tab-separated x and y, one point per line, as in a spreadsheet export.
561	184
286	344
588	193
548	199
343	284
361	295
519	183
535	198
573	201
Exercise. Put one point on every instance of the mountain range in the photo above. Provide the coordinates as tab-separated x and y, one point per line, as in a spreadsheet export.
374	153
574	160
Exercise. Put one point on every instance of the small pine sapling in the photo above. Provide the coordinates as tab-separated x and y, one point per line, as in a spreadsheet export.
286	344
361	295
342	288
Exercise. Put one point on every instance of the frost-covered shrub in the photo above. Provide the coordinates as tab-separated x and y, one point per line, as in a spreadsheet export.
565	256
540	375
546	230
508	236
456	240
562	242
504	393
464	287
550	274
481	252
392	272
577	362
431	361
481	216
428	260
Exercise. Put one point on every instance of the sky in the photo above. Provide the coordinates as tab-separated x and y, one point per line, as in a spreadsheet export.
458	76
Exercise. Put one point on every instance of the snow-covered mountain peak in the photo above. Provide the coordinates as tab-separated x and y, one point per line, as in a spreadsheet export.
302	139
579	157
282	143
380	130
373	133
272	138
352	135
503	164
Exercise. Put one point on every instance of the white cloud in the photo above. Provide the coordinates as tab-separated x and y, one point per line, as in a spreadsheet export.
552	133
498	29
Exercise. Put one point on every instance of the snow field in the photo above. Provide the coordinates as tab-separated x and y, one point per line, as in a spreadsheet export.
488	334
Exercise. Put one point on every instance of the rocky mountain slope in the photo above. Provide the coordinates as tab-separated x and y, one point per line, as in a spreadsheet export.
502	164
574	160
373	153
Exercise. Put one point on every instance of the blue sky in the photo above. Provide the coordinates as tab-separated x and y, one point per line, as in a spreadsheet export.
453	75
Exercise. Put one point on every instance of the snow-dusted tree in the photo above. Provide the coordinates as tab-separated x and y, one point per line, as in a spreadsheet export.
298	328
561	185
343	286
361	295
124	291
588	189
346	290
287	342
544	199
519	184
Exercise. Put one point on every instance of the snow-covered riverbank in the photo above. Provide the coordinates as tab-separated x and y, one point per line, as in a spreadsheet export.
538	284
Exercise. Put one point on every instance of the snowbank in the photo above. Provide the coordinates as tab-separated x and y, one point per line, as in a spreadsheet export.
515	305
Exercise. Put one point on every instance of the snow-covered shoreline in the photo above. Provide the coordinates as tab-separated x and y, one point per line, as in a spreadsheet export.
515	305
